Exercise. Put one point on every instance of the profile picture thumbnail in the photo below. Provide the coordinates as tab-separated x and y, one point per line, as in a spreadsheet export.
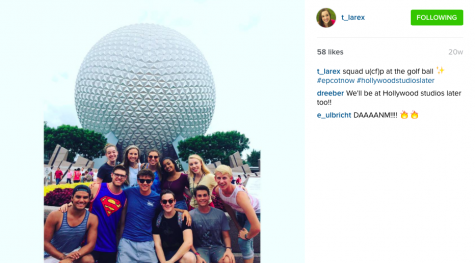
326	17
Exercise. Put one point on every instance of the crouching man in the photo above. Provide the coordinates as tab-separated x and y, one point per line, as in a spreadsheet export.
64	233
172	237
211	241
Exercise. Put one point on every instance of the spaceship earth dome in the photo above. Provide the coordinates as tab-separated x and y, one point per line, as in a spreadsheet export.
147	84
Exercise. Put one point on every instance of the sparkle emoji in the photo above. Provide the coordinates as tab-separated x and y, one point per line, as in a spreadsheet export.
404	115
440	71
414	115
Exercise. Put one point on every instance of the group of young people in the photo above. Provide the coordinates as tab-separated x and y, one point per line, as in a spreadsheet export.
138	213
76	175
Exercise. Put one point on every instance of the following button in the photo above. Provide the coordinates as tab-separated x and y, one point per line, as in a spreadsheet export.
437	17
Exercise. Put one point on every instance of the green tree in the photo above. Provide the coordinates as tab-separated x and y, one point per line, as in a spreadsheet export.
253	158
49	143
214	147
80	141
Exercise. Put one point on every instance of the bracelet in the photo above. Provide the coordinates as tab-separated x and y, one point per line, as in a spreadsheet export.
197	254
245	236
230	248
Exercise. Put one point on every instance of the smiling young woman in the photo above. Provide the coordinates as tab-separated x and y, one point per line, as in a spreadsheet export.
104	172
199	174
153	164
324	18
132	162
175	181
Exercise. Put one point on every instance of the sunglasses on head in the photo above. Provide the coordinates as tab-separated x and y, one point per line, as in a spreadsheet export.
120	175
145	180
170	201
151	156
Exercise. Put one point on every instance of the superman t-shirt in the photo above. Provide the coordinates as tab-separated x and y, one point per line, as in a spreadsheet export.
107	206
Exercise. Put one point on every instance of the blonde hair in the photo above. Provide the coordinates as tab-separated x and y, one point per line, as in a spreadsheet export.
204	169
224	169
108	146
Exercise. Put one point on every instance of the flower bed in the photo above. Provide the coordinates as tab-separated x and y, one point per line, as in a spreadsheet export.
57	195
50	188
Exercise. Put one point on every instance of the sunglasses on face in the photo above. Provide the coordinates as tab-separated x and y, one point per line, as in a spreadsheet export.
120	175
153	157
145	181
170	201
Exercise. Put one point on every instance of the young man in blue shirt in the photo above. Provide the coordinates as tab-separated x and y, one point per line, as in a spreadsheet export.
136	244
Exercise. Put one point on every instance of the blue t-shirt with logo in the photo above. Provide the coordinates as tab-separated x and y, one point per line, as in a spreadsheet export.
140	213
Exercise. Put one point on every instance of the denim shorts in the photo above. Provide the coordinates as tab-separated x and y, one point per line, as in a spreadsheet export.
246	246
211	254
181	205
130	251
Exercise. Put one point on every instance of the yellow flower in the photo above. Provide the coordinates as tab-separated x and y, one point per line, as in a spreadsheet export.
50	188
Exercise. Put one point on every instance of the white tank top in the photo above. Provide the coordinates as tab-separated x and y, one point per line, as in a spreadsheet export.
133	175
231	200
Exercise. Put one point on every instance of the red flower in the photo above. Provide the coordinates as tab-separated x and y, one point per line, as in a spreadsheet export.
58	197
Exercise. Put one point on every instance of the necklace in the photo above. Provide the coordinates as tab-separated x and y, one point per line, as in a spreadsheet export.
193	188
170	183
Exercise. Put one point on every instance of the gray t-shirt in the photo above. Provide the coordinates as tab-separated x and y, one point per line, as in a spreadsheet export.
207	227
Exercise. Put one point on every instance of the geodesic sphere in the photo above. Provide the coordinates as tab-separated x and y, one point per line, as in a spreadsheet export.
147	84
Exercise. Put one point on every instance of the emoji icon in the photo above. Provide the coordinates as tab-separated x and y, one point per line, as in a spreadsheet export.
414	115
441	70
404	115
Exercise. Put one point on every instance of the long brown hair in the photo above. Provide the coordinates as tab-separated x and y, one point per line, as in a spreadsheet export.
320	19
126	162
159	170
